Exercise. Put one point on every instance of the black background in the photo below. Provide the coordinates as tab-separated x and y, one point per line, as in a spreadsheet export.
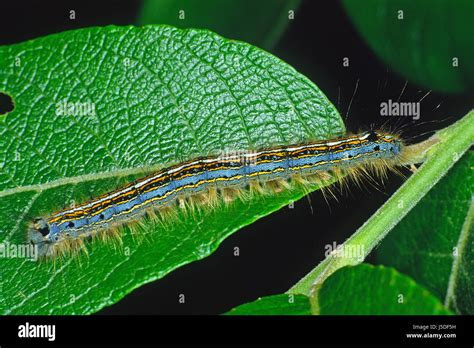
276	251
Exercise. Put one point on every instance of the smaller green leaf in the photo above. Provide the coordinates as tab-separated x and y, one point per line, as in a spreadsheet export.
373	290
434	243
282	304
430	42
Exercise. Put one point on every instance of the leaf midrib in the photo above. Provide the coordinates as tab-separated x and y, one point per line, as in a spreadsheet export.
115	173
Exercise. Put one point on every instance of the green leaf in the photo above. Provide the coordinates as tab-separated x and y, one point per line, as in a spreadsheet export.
434	243
423	45
275	305
368	290
257	22
441	152
161	95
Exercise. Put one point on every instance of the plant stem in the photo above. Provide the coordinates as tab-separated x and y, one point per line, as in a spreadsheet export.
446	148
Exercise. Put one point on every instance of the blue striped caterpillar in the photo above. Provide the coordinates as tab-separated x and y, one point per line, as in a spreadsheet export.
213	177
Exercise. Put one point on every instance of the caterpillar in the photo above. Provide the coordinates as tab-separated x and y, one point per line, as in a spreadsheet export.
206	176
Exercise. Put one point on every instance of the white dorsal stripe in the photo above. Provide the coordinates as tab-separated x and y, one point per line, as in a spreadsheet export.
220	158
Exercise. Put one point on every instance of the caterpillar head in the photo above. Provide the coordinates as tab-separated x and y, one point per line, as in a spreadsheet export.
38	235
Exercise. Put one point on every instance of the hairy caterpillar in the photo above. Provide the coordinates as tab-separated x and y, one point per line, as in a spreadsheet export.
273	167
